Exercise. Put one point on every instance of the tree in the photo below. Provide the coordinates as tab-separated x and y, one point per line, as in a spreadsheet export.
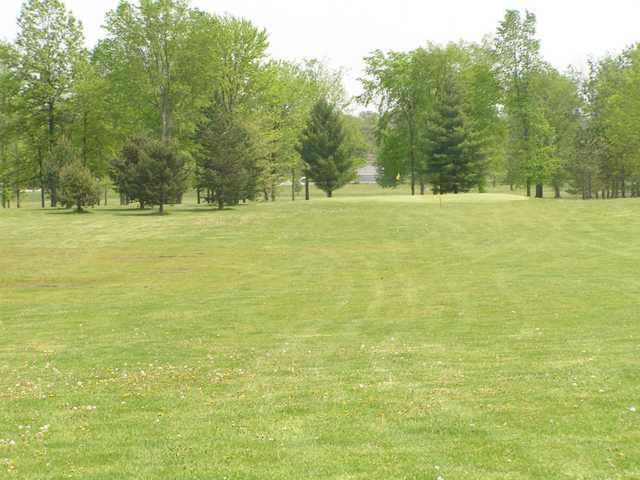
11	164
455	161
288	93
78	186
150	172
322	147
408	87
50	46
393	82
517	53
88	119
392	153
356	142
561	107
158	59
224	158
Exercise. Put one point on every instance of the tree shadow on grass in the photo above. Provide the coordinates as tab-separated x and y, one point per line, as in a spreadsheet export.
68	212
136	212
167	213
201	210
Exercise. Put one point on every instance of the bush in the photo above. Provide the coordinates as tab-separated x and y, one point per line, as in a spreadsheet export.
78	187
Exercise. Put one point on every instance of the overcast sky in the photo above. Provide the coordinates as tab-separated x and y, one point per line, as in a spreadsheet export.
344	31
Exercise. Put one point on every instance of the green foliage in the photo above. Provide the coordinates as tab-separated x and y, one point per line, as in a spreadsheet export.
242	49
226	166
323	147
392	155
529	145
150	172
78	186
455	162
393	82
355	140
408	87
156	58
49	48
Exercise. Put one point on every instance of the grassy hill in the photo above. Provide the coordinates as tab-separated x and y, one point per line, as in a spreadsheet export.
371	336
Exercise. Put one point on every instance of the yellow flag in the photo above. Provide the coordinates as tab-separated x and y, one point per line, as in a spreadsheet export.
398	178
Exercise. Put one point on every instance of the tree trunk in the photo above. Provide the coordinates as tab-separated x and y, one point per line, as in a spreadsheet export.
528	188
41	166
412	159
161	207
539	190
51	125
165	114
422	188
556	189
220	204
106	191
330	194
306	189
198	196
84	138
18	197
293	184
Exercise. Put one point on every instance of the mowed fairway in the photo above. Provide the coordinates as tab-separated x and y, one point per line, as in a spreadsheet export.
366	337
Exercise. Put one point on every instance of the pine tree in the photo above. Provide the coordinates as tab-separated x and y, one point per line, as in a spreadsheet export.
225	160
455	159
150	172
78	187
328	162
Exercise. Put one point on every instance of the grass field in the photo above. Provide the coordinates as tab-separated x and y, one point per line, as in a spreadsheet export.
371	336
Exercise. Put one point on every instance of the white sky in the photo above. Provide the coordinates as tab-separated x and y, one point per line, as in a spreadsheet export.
344	31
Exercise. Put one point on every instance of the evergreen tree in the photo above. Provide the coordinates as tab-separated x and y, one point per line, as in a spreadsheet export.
328	162
455	159
225	165
150	172
78	187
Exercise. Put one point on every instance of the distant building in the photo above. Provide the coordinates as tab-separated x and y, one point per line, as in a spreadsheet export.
369	173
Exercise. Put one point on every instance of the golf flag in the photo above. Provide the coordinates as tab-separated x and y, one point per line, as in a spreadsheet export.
398	178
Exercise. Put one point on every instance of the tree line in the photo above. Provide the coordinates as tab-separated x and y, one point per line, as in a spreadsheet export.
457	117
172	98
